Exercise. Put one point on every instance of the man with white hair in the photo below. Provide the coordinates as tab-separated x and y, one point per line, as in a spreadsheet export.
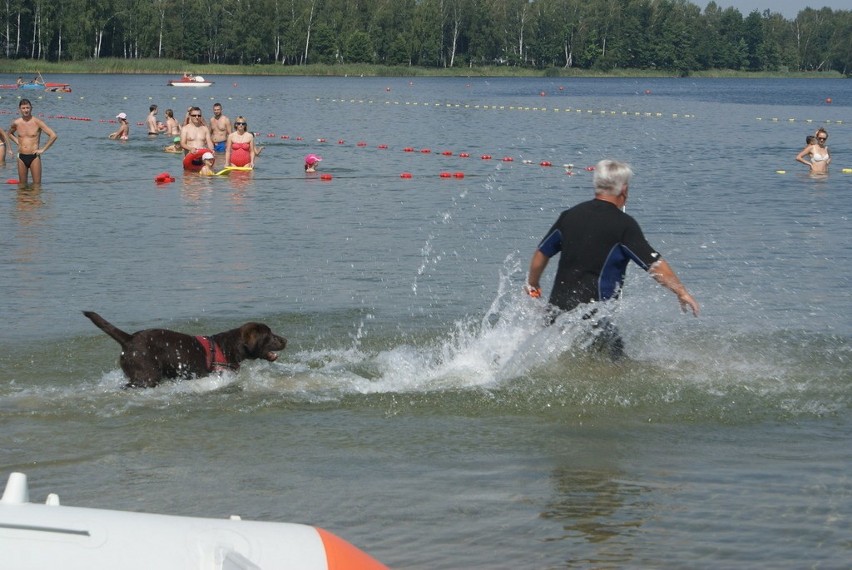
596	240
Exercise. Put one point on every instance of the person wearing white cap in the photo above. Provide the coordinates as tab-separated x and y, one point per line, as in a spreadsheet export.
207	169
123	128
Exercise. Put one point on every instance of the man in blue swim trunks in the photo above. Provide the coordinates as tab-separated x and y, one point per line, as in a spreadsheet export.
220	128
26	133
596	240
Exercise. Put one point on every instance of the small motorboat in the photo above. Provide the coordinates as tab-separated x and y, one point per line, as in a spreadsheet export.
189	80
35	536
57	87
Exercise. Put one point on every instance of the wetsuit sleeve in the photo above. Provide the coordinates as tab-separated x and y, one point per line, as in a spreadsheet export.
637	247
552	242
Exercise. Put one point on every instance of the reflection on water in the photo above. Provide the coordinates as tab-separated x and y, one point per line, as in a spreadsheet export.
586	501
29	201
30	216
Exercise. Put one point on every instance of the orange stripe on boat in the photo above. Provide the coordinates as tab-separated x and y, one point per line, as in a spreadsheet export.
343	556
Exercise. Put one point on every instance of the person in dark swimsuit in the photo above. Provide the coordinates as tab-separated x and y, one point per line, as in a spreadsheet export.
26	133
596	241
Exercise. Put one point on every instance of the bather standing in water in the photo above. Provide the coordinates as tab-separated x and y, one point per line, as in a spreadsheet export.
26	133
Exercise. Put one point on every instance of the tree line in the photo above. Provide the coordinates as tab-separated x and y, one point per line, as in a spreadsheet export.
671	35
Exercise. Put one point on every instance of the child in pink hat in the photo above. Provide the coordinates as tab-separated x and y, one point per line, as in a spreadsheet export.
311	162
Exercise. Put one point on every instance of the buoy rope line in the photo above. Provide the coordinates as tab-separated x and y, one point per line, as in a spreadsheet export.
778	120
532	108
301	141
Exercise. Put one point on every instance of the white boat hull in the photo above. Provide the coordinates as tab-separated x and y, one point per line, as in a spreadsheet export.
190	83
35	536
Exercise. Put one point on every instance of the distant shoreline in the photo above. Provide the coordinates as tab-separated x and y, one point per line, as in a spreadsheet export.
26	68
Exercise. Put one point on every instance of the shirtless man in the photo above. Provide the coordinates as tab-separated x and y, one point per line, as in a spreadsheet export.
151	121
220	128
26	133
195	135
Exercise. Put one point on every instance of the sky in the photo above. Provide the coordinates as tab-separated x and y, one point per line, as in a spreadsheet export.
787	8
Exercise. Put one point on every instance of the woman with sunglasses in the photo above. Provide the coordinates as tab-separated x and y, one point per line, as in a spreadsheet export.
820	158
240	149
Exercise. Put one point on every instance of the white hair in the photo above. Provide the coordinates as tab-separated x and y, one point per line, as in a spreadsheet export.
611	176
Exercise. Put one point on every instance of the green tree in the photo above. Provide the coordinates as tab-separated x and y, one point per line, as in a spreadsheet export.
359	48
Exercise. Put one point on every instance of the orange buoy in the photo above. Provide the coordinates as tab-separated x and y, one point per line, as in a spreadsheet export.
325	177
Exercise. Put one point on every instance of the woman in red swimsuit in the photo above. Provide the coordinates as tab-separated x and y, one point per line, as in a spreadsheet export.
239	150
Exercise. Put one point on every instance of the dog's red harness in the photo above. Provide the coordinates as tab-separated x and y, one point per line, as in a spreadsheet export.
216	361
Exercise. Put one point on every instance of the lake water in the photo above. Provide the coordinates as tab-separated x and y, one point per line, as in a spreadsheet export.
421	410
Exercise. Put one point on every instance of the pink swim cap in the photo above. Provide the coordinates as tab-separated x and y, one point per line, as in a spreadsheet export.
312	159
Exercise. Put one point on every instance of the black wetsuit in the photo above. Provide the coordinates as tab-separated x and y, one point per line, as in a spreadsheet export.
595	241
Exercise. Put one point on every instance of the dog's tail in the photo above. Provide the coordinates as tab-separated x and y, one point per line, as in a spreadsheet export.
119	335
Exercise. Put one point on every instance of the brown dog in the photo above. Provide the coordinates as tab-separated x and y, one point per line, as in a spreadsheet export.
150	355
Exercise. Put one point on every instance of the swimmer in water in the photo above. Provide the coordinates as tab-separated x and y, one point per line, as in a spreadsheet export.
311	162
26	132
820	158
123	128
207	169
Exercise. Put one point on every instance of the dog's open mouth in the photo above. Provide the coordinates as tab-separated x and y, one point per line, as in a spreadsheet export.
271	356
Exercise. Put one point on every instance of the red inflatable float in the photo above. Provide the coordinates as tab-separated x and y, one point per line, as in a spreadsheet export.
193	162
